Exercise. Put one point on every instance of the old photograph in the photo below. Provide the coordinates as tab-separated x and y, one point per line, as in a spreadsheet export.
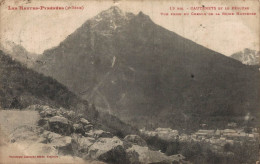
129	81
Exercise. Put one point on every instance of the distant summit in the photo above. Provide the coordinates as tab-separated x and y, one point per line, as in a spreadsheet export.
21	87
114	10
18	53
247	56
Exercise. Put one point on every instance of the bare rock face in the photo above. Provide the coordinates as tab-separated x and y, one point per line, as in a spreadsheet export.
60	125
50	135
69	114
43	122
88	127
139	154
84	121
59	119
78	128
98	134
36	107
46	111
62	141
81	144
135	139
177	157
109	150
63	144
84	143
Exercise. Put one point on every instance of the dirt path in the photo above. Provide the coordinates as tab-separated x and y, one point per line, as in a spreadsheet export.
13	120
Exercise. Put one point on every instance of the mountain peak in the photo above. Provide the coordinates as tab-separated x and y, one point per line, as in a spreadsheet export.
247	56
115	8
109	20
143	16
113	11
141	13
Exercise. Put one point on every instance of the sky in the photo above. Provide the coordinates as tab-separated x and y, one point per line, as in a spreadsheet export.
38	30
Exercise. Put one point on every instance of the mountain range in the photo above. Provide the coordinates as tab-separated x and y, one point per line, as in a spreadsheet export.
149	76
19	53
247	56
